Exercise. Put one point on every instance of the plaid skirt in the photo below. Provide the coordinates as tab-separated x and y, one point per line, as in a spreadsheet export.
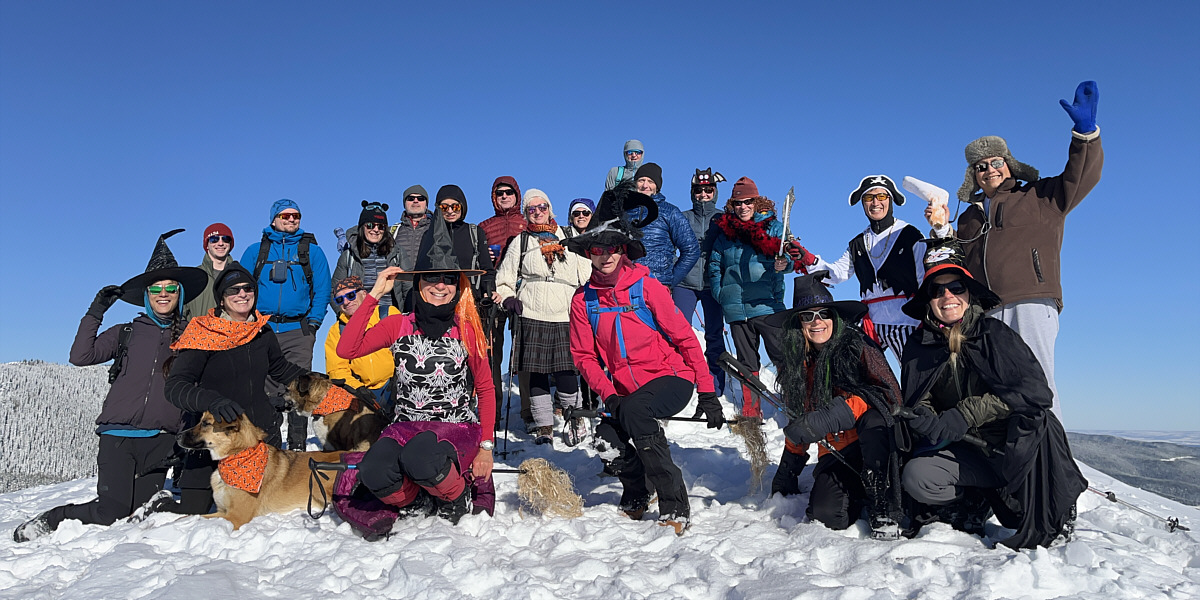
543	347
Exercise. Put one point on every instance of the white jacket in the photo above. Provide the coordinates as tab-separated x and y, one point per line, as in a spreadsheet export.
544	291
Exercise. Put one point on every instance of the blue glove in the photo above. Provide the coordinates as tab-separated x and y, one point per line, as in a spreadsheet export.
226	410
1083	110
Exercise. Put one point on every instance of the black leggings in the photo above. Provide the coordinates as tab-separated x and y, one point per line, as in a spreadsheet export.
130	470
566	382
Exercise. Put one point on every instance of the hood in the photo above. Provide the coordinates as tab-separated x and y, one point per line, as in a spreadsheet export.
631	165
452	192
704	209
509	181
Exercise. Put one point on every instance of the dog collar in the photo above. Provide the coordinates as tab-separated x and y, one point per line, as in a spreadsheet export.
245	469
335	399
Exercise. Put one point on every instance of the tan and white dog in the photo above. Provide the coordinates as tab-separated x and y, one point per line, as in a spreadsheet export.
254	478
340	420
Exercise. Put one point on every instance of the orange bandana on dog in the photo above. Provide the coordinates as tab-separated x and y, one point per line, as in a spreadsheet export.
335	399
245	469
207	332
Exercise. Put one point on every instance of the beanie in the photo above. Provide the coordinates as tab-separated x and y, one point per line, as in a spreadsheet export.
353	282
372	212
532	193
230	277
217	229
744	188
281	205
584	202
651	170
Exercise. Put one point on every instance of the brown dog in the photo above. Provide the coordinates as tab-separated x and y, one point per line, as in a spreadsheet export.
252	477
352	426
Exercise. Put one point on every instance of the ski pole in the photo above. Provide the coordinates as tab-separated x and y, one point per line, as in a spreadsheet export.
906	413
571	413
512	352
1172	523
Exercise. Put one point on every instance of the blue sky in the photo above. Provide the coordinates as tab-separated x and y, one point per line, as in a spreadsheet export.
122	120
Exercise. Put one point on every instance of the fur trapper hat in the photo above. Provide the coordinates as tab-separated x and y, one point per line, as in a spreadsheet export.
874	181
991	145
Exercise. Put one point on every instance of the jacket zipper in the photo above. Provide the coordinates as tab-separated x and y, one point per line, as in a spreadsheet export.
1037	266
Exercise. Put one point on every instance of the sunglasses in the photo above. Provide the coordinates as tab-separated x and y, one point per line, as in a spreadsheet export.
537	208
415	198
212	239
288	216
170	288
347	297
606	250
995	163
879	196
957	287
504	192
237	289
736	203
446	278
705	189
450	206
370	226
581	213
808	316
629	152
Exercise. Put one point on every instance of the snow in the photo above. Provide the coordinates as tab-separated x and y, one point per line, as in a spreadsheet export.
742	544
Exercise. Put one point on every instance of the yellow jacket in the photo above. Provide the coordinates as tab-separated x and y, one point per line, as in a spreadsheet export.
372	370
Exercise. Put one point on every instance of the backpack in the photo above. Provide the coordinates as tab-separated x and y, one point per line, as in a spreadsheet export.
637	305
122	351
264	248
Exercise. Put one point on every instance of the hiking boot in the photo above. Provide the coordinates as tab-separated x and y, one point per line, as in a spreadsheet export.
161	501
1067	531
453	510
635	508
545	435
884	528
531	427
34	528
679	523
421	506
880	517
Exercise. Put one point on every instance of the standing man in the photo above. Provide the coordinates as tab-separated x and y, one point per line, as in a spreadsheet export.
671	246
293	287
634	154
218	243
500	229
408	233
694	287
1012	232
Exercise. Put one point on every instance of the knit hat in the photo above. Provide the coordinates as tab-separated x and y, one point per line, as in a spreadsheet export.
281	205
651	170
707	177
611	224
946	255
744	188
584	202
874	181
809	292
373	212
217	229
532	193
162	266
991	145
233	275
353	282
453	192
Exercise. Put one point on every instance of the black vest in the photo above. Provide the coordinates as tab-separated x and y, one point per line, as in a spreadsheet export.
898	272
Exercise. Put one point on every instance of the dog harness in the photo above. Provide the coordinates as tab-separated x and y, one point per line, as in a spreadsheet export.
245	469
336	399
433	380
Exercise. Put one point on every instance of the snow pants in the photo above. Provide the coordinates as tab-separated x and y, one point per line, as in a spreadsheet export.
838	494
130	471
1036	321
746	336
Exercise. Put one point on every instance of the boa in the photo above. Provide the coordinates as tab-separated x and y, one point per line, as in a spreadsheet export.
552	249
754	234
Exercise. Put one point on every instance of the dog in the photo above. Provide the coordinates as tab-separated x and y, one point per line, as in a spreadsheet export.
352	426
282	476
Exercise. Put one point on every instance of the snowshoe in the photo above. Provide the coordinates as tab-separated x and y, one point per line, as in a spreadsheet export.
453	510
34	528
161	501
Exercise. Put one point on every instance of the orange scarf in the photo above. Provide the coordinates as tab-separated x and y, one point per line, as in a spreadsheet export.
335	399
245	469
207	332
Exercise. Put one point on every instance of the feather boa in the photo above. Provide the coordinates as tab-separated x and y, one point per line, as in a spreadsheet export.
754	234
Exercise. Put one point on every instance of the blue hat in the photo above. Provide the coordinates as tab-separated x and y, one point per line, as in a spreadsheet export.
281	205
584	201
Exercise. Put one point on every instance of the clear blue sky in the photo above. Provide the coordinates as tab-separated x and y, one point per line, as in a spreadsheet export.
122	120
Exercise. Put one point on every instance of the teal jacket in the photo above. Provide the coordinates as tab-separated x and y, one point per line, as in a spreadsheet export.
743	280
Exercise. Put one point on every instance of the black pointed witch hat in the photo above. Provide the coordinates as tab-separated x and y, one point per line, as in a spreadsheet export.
620	215
437	251
809	292
162	266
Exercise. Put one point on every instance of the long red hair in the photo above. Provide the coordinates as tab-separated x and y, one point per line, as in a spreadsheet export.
468	319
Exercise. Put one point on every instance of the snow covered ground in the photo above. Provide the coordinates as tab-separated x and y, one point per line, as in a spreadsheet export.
741	545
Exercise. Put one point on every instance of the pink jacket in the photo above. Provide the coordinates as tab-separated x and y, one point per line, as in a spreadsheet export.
649	355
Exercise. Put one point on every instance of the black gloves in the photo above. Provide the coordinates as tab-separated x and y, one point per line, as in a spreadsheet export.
708	404
512	305
226	410
105	298
949	426
611	403
279	403
814	426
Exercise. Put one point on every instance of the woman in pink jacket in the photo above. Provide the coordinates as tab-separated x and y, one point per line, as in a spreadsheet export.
625	321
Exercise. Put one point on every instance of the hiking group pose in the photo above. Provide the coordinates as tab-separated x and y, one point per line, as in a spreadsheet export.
599	313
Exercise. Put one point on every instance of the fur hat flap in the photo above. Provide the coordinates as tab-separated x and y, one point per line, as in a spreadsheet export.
991	145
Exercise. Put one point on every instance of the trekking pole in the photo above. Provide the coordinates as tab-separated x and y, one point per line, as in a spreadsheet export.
1171	523
572	413
906	413
512	353
315	471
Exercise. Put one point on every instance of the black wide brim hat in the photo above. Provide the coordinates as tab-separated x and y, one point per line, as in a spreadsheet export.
620	214
164	266
436	254
579	244
808	293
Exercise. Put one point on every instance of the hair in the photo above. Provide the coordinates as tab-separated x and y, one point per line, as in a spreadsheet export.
839	367
383	248
465	316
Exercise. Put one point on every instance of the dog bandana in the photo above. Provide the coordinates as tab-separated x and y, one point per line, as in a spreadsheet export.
335	399
207	332
245	469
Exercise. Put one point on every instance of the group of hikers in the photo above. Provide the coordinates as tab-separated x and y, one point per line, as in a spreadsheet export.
599	313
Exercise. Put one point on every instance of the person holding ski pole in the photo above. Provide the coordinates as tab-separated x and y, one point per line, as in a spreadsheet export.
978	406
839	391
624	320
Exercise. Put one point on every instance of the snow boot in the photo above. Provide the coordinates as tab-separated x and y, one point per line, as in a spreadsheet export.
680	523
545	435
161	501
883	523
634	504
453	510
970	513
39	526
787	477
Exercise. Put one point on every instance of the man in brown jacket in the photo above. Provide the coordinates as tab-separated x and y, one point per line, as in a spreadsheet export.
1013	229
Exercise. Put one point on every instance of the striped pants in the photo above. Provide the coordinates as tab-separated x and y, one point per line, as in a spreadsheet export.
894	336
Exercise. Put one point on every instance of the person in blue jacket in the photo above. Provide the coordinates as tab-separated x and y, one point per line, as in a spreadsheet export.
294	286
671	246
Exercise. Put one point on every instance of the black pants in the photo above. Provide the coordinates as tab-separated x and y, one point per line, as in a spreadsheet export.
645	453
746	335
130	471
497	358
838	494
297	348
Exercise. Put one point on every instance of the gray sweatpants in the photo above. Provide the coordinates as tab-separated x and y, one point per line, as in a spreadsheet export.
1036	321
297	348
935	479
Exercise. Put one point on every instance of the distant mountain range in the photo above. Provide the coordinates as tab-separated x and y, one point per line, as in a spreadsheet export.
1170	470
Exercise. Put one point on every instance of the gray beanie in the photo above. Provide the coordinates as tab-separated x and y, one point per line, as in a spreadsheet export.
991	145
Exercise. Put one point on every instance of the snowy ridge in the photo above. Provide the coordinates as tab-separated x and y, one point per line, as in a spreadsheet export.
741	545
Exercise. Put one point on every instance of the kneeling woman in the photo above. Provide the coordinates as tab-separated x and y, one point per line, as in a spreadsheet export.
838	391
625	320
970	377
442	370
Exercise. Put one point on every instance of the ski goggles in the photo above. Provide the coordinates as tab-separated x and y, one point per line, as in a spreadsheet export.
170	288
446	278
957	287
808	316
212	239
350	296
606	250
995	163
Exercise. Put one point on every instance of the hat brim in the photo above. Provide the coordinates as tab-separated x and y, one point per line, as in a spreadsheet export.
413	275
582	242
916	308
851	311
192	279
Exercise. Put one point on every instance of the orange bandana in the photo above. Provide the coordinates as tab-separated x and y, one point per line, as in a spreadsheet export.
245	469
207	332
335	399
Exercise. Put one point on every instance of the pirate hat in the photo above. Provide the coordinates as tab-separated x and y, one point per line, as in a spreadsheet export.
945	255
874	181
164	266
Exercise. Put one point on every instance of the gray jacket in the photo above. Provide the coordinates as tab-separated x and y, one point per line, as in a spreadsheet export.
408	237
700	217
350	263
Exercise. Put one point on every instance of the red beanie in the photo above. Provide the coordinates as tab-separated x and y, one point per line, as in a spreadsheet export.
744	188
216	229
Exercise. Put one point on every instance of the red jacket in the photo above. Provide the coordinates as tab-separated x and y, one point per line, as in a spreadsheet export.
507	224
649	355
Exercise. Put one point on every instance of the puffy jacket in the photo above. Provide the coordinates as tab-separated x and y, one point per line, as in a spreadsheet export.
672	350
545	292
292	298
372	370
701	218
136	399
408	234
350	263
743	280
671	246
507	223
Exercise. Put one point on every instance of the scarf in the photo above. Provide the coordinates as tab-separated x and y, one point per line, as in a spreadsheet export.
245	469
600	280
551	248
434	321
207	332
336	399
754	234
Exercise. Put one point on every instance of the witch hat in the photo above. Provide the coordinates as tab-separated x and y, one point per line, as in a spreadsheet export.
944	255
162	266
437	251
809	292
612	224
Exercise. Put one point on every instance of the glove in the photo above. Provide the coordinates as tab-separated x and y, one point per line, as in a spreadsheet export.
105	298
813	426
949	426
340	234
611	403
1083	109
712	409
512	305
279	403
800	255
226	410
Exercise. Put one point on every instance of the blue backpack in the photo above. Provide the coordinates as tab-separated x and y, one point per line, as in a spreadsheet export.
637	305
